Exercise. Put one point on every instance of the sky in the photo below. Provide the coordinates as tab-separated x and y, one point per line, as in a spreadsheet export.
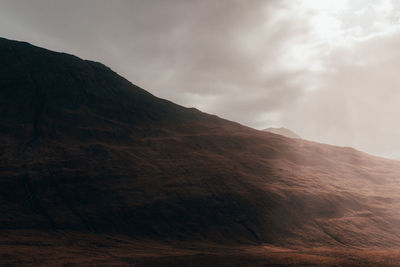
327	69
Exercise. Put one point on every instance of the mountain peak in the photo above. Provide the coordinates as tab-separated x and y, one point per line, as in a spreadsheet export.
46	92
282	131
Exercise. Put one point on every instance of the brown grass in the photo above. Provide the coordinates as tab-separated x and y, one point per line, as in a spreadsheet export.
35	248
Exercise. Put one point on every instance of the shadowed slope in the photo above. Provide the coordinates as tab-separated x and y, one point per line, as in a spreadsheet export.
85	150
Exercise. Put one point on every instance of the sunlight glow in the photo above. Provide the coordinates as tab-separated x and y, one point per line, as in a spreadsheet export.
339	23
336	6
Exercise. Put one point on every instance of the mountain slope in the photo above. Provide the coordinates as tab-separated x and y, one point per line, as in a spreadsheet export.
85	150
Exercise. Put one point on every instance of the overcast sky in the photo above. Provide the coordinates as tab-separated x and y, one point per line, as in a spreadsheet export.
327	69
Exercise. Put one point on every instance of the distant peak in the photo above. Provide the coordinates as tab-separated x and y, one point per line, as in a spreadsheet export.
282	131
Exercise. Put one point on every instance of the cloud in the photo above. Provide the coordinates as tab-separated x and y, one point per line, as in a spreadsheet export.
219	56
327	71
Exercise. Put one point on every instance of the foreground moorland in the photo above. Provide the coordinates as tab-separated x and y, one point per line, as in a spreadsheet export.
22	248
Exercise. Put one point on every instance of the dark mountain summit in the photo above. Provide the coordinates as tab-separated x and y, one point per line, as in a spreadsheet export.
85	150
40	85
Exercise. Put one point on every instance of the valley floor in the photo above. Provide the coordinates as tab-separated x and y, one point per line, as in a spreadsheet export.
30	248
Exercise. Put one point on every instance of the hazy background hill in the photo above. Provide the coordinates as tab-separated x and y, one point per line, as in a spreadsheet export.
282	131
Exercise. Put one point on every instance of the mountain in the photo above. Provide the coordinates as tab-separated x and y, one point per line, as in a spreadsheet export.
90	163
282	131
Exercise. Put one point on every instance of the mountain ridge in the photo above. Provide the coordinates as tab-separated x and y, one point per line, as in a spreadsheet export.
85	150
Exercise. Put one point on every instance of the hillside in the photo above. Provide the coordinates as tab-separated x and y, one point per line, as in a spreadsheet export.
86	152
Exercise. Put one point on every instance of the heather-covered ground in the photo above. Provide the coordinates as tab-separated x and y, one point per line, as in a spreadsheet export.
22	248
